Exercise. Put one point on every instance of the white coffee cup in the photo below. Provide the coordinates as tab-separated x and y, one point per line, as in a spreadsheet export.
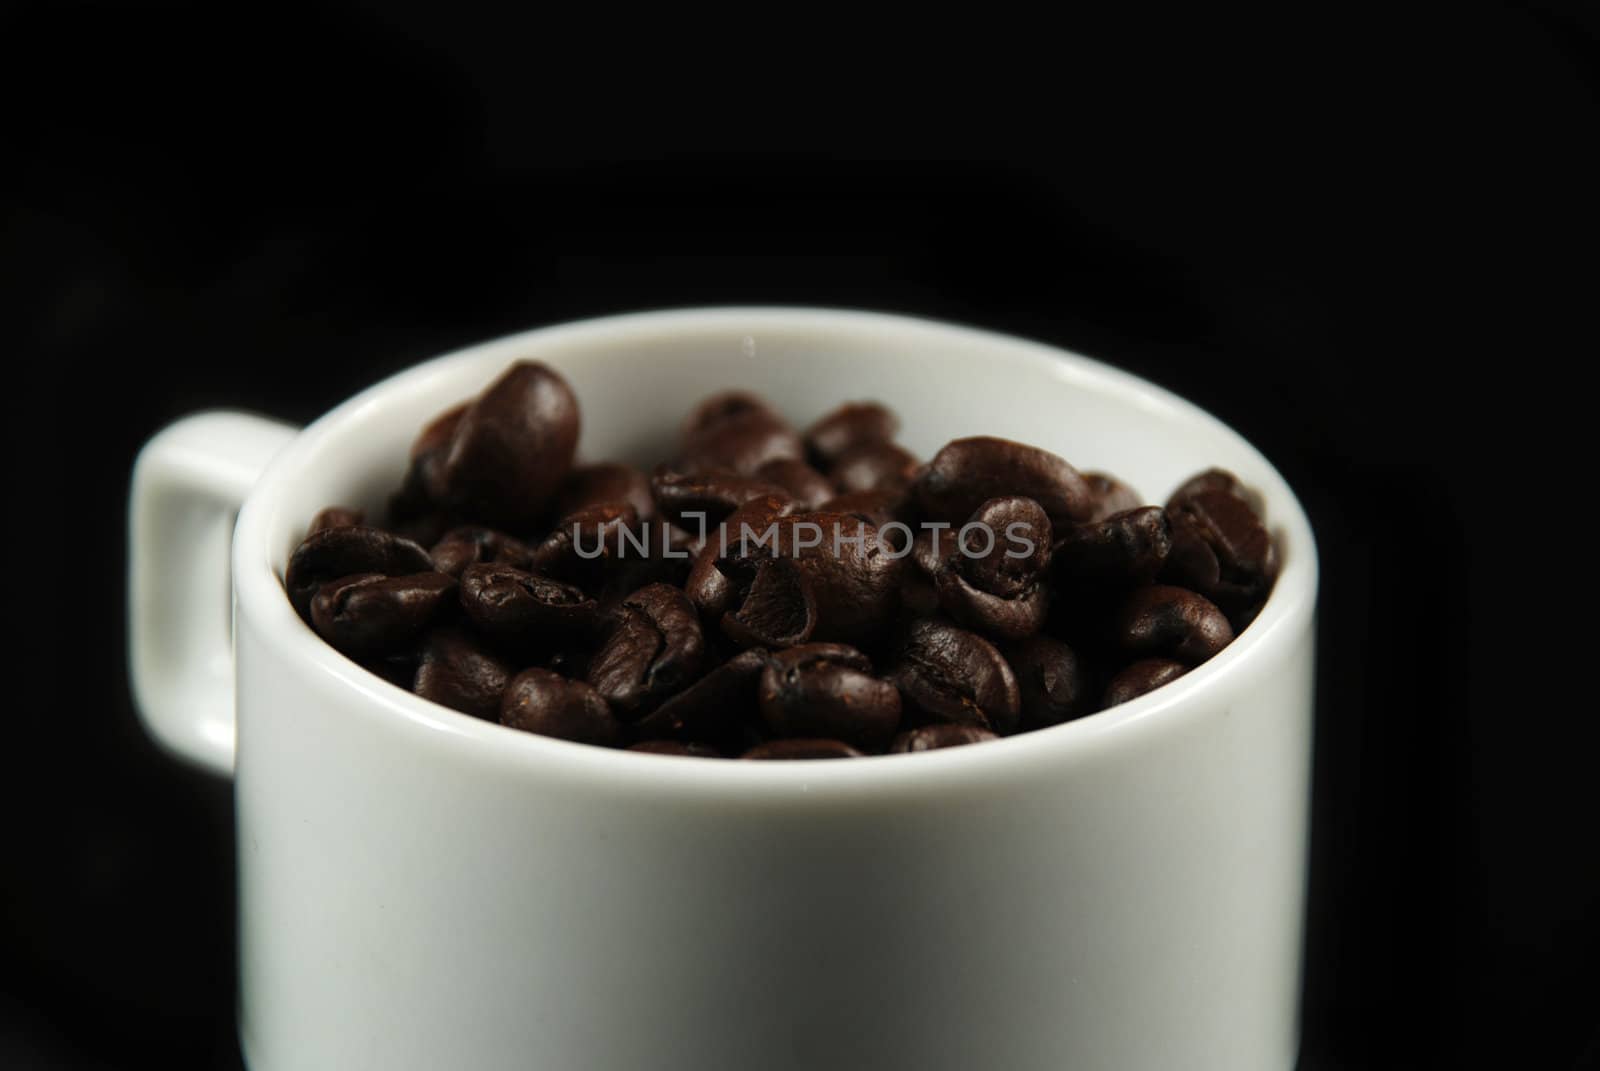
422	890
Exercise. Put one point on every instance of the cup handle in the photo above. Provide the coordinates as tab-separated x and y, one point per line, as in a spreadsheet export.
188	484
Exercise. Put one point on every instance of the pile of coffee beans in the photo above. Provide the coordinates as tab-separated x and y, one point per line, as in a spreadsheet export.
772	594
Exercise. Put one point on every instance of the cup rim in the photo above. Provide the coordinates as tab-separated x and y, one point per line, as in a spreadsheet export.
259	596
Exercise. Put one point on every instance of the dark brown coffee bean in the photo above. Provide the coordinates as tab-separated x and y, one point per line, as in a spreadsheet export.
715	709
511	449
1217	480
1145	675
1124	550
604	484
455	672
934	737
778	610
1110	496
522	610
749	523
1004	548
472	544
675	747
992	615
337	552
715	592
539	701
991	575
584	545
1222	550
802	749
853	577
370	614
424	478
847	426
871	466
335	517
1171	622
1054	683
968	472
722	407
696	500
931	550
827	690
739	432
878	508
1225	521
808	487
947	674
654	648
666	555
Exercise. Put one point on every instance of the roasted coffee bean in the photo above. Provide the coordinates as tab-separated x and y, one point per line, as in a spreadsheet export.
1226	522
947	674
472	544
1110	496
336	517
879	508
654	648
715	709
424	478
370	614
539	701
808	487
873	466
934	737
1054	683
990	576
675	747
723	570
1004	548
584	545
1145	675
1216	480
511	449
1122	551
1171	622
992	615
827	690
848	426
930	554
739	432
658	552
802	749
455	672
521	610
337	552
604	484
1221	549
968	472
696	500
778	610
655	553
717	409
749	523
853	577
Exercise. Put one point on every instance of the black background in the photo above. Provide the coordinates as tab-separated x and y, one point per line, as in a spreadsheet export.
1359	240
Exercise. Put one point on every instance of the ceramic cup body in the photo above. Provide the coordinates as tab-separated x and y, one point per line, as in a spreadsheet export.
421	890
